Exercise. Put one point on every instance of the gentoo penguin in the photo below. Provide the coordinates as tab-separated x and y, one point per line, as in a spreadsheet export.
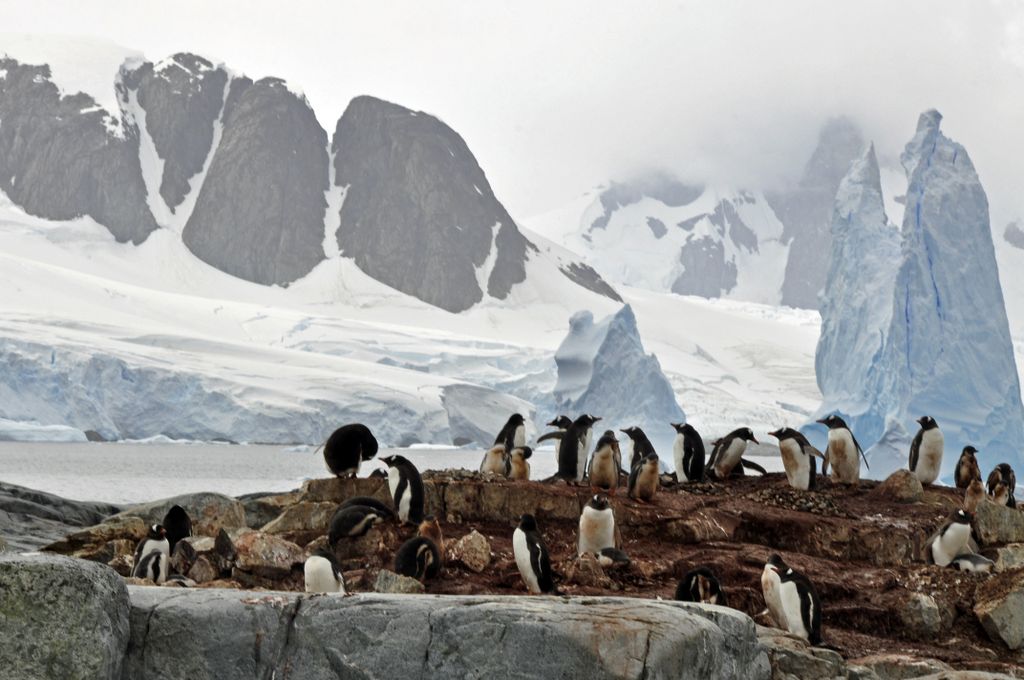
641	445
561	423
926	451
597	526
519	463
688	451
532	557
156	539
573	448
347	447
421	556
797	458
154	566
612	557
950	540
727	456
496	461
974	495
792	600
701	585
382	508
843	452
406	487
966	468
178	526
353	521
513	434
1001	484
605	463
643	478
322	573
973	562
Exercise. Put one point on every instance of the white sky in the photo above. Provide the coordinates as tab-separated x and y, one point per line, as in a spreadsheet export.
557	97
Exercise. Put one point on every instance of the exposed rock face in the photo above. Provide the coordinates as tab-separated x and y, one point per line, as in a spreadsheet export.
390	582
201	634
62	618
63	157
30	519
419	214
1000	608
260	213
209	512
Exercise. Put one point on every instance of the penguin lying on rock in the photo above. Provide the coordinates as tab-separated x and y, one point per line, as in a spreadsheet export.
1001	485
701	585
422	556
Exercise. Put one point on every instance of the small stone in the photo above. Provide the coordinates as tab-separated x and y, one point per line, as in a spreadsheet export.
265	555
203	571
901	486
586	571
390	582
921	616
473	551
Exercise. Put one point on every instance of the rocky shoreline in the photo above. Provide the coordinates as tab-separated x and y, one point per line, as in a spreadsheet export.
887	614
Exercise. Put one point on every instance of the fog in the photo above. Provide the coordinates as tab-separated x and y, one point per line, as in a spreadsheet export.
555	97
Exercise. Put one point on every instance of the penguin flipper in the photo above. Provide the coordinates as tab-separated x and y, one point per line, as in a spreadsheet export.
550	435
860	450
752	466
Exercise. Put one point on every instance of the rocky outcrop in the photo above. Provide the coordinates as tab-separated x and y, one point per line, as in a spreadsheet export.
225	635
1000	608
260	213
61	618
63	157
209	512
30	519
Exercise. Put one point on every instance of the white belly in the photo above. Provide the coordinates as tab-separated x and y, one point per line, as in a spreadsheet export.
320	576
770	586
581	456
790	597
597	530
950	544
929	456
797	464
402	504
163	545
519	438
730	457
843	457
521	549
678	450
494	462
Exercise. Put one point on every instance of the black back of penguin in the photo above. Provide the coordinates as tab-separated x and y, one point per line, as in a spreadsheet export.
347	447
507	435
641	445
410	485
701	585
569	446
418	558
693	452
178	525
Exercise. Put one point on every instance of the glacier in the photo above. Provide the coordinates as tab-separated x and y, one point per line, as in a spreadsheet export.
943	347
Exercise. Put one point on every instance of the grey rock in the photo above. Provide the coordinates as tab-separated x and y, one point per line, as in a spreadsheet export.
1014	235
260	213
419	214
390	582
899	666
921	616
995	524
59	161
209	512
586	276
61	618
473	550
902	486
1007	557
999	606
30	519
793	657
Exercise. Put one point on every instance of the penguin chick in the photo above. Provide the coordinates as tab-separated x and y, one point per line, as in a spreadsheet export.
641	445
605	463
1002	482
926	451
532	557
643	479
322	574
688	453
612	557
973	562
520	463
797	458
967	468
973	495
701	585
496	461
792	600
597	526
421	557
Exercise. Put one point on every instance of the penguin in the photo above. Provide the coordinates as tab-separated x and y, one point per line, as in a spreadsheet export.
322	574
949	541
974	495
178	525
421	556
792	600
1001	485
597	526
612	557
605	463
406	487
561	423
573	448
643	479
843	452
154	566
532	557
688	452
519	463
347	447
156	539
727	456
798	458
641	445
382	508
701	585
353	521
496	461
973	562
513	434
966	468
926	451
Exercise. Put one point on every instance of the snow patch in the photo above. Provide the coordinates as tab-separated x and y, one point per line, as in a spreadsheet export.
335	197
483	272
19	431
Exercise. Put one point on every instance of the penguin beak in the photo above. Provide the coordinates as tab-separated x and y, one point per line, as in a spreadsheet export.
754	439
822	421
775	434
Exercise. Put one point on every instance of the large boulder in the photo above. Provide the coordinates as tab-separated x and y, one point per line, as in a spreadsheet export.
999	605
998	524
209	512
30	519
61	618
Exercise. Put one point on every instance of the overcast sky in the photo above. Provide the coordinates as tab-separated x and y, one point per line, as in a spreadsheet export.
557	97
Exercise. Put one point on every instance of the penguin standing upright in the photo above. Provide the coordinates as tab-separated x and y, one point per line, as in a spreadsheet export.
605	463
322	574
353	521
641	445
926	450
573	448
1001	485
843	452
496	461
148	565
643	478
406	487
513	434
950	540
974	494
701	585
532	557
421	557
347	447
966	468
178	525
727	456
519	463
797	458
688	452
792	600
597	526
